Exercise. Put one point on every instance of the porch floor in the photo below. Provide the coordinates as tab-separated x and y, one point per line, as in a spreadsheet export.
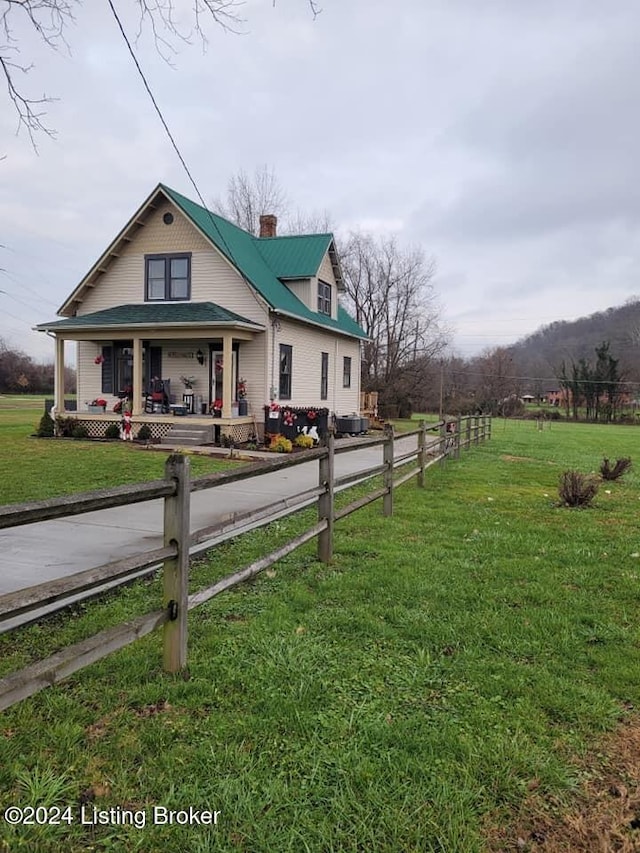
238	430
156	418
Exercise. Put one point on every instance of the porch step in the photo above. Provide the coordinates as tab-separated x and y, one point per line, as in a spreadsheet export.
188	435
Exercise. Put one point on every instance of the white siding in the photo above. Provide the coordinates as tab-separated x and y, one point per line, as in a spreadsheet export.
90	376
213	279
308	343
303	290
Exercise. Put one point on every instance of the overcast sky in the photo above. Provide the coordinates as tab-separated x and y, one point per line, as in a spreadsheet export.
501	136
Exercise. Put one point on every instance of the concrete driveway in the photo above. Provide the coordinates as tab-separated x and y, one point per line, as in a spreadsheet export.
47	550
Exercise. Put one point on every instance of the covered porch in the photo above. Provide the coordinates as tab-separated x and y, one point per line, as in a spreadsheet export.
198	349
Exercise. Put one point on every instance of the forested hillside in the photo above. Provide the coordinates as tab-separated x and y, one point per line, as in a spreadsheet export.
541	354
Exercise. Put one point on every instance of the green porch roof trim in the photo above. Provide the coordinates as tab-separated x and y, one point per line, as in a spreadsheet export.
150	313
295	256
249	255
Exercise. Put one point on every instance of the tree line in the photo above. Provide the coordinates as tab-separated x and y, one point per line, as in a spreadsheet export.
21	374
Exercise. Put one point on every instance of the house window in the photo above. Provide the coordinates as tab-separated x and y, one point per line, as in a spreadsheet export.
346	372
167	277
286	353
324	298
117	367
324	375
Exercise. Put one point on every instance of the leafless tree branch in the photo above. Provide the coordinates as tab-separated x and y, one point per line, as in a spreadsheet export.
249	196
50	18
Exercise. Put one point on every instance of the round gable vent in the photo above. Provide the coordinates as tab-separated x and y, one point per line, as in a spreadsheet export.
167	218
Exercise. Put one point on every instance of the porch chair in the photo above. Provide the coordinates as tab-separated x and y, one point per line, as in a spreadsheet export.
158	394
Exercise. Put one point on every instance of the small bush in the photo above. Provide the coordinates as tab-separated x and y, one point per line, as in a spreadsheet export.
144	433
80	431
303	441
280	444
45	427
620	468
544	415
66	426
577	489
112	431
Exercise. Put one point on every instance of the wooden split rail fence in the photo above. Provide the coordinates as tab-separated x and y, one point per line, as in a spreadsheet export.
434	444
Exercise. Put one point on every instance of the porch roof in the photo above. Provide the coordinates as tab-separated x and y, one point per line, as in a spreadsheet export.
152	315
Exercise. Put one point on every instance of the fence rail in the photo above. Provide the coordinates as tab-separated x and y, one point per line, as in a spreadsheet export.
448	437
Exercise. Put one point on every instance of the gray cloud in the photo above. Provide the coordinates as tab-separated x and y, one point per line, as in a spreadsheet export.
501	136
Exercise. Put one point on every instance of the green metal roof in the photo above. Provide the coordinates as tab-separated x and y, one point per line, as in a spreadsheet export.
298	256
152	314
263	260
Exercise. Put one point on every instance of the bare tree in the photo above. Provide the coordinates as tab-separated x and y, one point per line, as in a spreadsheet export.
495	379
250	196
315	222
50	18
390	291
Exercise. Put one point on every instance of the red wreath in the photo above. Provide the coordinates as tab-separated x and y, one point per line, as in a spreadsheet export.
98	359
288	418
311	415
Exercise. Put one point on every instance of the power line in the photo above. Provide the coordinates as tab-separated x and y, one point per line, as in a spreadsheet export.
168	132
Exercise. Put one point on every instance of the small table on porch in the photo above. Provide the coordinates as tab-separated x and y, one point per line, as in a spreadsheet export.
187	400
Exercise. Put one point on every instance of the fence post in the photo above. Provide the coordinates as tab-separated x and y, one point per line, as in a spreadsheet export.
490	426
422	452
456	447
442	446
176	570
467	442
476	429
387	458
325	500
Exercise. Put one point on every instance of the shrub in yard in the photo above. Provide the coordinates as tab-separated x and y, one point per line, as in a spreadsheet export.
621	466
45	427
66	426
303	441
280	444
80	431
144	433
112	431
577	489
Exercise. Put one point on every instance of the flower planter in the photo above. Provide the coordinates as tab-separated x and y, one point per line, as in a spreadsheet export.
96	410
243	407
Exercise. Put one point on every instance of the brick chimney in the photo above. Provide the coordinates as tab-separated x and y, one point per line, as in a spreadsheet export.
268	225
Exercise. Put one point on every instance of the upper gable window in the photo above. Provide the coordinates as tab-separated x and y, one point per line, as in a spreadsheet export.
324	298
167	277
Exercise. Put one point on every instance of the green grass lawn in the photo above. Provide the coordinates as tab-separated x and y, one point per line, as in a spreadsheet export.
36	468
400	699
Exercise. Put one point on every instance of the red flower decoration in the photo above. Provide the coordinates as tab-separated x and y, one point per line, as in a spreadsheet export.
311	415
98	359
288	418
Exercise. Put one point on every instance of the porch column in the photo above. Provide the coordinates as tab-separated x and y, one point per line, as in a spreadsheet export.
136	406
58	374
227	375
